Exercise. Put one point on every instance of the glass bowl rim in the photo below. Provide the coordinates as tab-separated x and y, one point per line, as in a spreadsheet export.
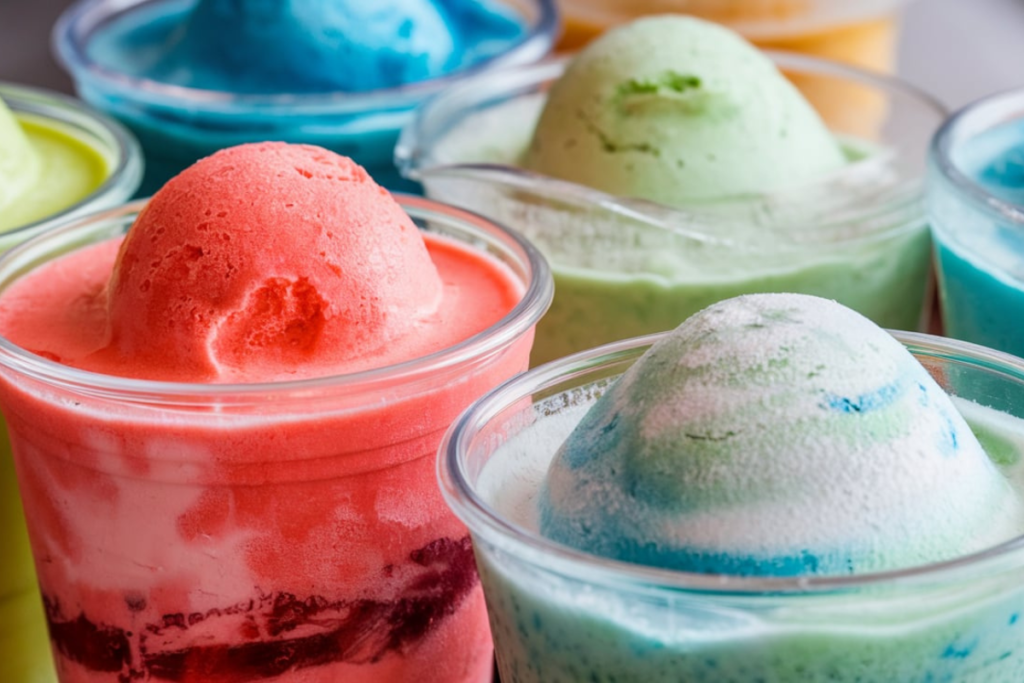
947	138
537	296
906	203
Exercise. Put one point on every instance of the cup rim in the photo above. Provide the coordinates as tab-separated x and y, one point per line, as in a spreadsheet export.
122	180
414	151
513	325
485	522
948	137
70	50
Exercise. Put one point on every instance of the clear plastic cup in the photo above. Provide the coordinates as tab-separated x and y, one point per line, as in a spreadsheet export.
979	236
624	267
24	654
558	614
178	125
287	531
861	33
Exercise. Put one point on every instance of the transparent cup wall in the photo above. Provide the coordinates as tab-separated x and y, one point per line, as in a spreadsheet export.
558	614
178	125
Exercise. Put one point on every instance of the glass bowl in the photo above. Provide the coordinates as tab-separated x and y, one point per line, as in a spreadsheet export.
178	125
625	267
560	614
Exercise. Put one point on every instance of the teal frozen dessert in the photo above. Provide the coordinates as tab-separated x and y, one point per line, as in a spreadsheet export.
776	492
194	76
976	201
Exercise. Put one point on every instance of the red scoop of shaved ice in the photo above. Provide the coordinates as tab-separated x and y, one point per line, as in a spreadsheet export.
264	256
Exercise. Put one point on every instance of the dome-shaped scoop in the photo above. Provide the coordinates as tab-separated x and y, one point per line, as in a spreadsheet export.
777	435
679	111
272	46
265	257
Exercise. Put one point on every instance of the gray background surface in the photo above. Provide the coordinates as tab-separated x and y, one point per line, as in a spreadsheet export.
958	50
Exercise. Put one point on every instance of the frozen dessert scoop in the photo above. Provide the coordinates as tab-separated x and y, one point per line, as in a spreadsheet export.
306	46
777	435
191	77
266	256
309	45
265	262
678	110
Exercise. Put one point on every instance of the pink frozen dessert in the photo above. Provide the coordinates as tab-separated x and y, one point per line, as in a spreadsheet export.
224	425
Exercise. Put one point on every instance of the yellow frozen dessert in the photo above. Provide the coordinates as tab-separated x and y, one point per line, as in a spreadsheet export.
44	168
